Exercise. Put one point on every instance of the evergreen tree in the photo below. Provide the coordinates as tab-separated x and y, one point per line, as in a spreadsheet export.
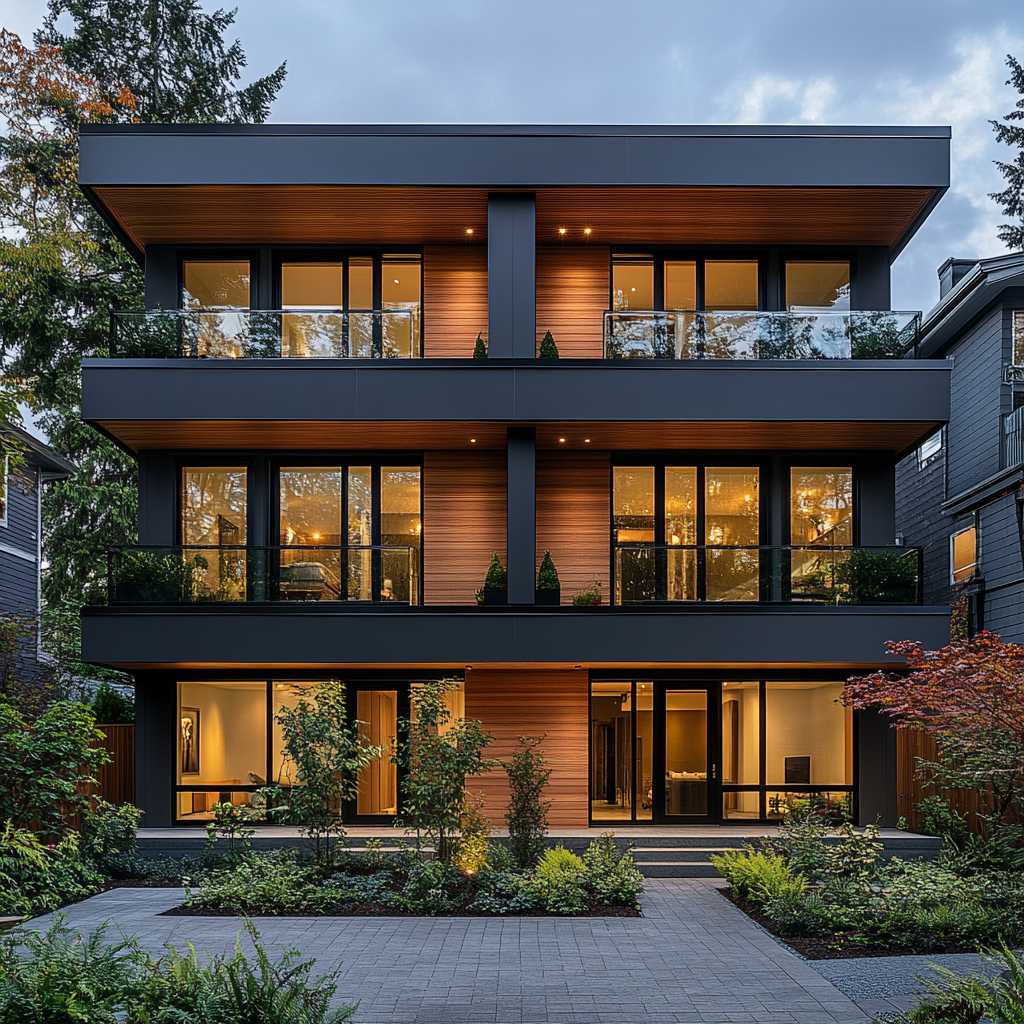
61	268
495	578
1011	199
547	575
548	348
480	349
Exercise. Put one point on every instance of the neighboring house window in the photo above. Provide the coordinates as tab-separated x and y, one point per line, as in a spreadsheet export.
963	554
929	451
3	493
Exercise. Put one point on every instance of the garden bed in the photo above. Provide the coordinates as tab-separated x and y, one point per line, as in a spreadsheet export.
379	910
846	946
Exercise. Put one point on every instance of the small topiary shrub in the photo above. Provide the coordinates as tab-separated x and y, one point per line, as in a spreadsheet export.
480	349
495	578
547	574
548	348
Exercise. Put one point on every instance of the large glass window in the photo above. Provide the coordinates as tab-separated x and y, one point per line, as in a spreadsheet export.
213	291
814	286
400	290
807	735
732	521
680	284
611	757
214	514
221	745
821	505
632	283
741	746
400	527
730	284
319	289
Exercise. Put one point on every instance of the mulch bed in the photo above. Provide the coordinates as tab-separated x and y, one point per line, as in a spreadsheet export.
376	910
846	946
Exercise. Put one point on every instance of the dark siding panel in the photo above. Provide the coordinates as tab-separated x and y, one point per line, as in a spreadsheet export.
919	495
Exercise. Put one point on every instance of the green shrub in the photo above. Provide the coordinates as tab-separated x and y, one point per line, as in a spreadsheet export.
759	876
430	887
611	876
61	977
527	813
473	847
110	840
560	876
34	877
939	819
797	912
480	348
273	883
548	348
495	578
547	574
111	707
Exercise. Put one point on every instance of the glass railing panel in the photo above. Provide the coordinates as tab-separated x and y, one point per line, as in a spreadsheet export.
724	334
265	334
801	575
225	575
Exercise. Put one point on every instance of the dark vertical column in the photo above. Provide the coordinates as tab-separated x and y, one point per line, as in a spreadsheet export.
870	287
876	768
155	751
877	501
511	275
522	514
158	500
161	275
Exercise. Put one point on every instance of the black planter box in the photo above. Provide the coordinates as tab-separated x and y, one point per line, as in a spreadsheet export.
495	597
547	597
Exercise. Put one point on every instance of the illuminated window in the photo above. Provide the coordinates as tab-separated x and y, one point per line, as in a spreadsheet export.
963	554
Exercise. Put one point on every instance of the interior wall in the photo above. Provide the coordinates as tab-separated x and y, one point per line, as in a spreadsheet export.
807	722
686	747
454	299
572	297
552	704
232	732
573	509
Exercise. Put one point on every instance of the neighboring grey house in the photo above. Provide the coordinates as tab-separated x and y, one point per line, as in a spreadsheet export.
21	536
960	495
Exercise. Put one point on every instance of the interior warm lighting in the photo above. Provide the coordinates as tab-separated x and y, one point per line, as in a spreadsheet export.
316	536
586	231
561	231
468	667
472	440
469	231
586	440
561	440
397	281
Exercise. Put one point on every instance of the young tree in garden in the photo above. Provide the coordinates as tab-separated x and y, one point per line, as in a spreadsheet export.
1011	199
437	752
527	814
970	697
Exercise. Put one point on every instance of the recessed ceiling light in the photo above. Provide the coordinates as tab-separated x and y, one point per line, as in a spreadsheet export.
397	281
472	440
561	231
561	440
469	231
586	231
586	440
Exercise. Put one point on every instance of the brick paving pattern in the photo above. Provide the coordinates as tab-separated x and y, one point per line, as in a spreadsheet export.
692	959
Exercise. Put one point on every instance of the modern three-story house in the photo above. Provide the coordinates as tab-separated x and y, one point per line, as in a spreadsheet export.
326	471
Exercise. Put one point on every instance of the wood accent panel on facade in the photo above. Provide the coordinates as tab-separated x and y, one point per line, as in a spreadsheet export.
491	435
464	521
729	215
572	296
545	703
404	215
573	509
454	299
117	779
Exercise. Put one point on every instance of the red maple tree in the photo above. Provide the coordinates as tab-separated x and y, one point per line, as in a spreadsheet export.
970	697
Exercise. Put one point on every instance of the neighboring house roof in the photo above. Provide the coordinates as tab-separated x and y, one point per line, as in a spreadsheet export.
972	295
55	467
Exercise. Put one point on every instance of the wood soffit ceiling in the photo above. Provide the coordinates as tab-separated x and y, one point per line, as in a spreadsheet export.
434	436
317	214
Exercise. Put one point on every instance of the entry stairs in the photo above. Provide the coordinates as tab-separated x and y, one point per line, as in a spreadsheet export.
680	854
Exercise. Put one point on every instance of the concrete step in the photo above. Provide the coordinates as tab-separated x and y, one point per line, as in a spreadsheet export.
677	869
676	854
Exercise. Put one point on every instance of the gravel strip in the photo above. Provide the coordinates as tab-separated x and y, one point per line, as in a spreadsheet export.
881	977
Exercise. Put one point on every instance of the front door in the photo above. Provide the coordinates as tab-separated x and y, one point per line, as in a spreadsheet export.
377	711
685	790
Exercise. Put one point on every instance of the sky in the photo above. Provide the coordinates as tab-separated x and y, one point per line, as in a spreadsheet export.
926	62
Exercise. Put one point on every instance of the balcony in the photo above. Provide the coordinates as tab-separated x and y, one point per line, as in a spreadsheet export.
194	575
756	335
1013	438
647	574
265	334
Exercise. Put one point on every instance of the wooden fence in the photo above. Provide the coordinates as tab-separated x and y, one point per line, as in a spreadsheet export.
117	779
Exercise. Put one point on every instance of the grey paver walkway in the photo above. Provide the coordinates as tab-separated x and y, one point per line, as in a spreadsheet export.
693	957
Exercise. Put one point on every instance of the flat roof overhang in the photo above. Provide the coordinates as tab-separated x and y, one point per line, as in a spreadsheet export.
412	185
444	404
274	637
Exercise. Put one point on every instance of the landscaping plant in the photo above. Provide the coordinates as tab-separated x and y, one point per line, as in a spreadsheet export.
527	812
436	752
110	839
480	348
495	578
328	752
547	574
548	348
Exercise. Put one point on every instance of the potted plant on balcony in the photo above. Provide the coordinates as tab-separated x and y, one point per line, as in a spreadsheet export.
548	348
495	588
590	597
480	349
885	576
549	589
149	577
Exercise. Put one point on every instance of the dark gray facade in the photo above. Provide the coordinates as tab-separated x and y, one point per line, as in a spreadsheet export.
770	412
975	480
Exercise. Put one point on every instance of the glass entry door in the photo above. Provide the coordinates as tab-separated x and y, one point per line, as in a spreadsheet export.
685	756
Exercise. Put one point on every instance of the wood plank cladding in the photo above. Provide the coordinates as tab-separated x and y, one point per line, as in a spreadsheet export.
547	703
395	215
306	214
572	296
573	517
418	435
454	299
726	215
464	521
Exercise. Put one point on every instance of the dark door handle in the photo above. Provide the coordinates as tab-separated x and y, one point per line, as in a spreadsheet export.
714	771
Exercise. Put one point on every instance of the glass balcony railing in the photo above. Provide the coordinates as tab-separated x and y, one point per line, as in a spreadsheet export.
647	573
265	334
229	575
749	335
